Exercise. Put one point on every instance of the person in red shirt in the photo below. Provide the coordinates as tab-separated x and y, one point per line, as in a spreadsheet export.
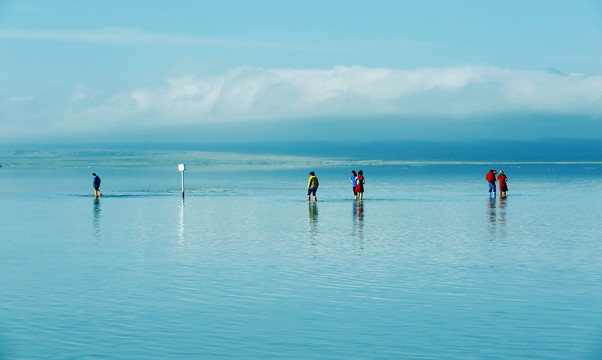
490	177
503	185
359	185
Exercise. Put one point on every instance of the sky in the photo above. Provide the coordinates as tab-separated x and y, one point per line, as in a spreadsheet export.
219	71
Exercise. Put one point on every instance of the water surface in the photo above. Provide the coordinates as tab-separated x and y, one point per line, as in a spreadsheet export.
428	266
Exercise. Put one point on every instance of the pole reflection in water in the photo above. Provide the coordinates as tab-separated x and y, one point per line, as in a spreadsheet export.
312	214
181	227
96	218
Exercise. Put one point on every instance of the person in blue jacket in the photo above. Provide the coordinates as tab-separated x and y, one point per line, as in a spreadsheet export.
354	182
96	184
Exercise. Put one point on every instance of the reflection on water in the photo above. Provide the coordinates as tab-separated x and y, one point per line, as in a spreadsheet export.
96	218
491	214
358	218
358	222
181	223
502	205
502	215
312	214
496	215
436	274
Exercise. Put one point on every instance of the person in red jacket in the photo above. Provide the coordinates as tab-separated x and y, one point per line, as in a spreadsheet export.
490	177
503	185
359	185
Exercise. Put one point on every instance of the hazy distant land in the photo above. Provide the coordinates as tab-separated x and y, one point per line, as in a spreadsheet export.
301	154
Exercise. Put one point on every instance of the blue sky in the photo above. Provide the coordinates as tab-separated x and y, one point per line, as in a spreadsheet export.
258	69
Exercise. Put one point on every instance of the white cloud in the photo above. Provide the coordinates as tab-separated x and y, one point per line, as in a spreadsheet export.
245	94
249	94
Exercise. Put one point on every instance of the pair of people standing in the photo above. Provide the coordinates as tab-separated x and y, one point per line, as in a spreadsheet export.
502	178
358	181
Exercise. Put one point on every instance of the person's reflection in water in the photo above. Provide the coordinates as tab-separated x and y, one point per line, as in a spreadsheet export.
502	215
491	215
358	221
312	213
96	218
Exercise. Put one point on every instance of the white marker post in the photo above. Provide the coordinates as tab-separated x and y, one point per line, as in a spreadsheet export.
182	168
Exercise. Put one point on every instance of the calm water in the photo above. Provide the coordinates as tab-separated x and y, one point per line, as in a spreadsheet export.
426	267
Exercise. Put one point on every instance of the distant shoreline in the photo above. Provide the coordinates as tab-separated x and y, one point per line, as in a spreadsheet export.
167	158
391	152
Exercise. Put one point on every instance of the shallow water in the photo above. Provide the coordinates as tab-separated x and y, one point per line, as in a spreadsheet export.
426	267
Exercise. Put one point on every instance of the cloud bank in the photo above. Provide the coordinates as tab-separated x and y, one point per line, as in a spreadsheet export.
246	94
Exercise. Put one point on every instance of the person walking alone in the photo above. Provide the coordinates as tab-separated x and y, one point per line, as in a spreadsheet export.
312	186
96	185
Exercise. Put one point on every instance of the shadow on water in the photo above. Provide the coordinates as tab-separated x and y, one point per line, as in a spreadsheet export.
312	214
162	193
119	196
96	218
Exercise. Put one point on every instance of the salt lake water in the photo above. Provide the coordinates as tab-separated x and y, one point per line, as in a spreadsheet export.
427	266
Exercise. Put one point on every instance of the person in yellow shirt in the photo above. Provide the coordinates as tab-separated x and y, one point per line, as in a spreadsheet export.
312	186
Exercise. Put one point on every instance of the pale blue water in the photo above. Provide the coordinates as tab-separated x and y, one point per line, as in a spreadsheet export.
426	267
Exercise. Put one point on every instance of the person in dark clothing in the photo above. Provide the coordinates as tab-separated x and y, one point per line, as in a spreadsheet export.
96	185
